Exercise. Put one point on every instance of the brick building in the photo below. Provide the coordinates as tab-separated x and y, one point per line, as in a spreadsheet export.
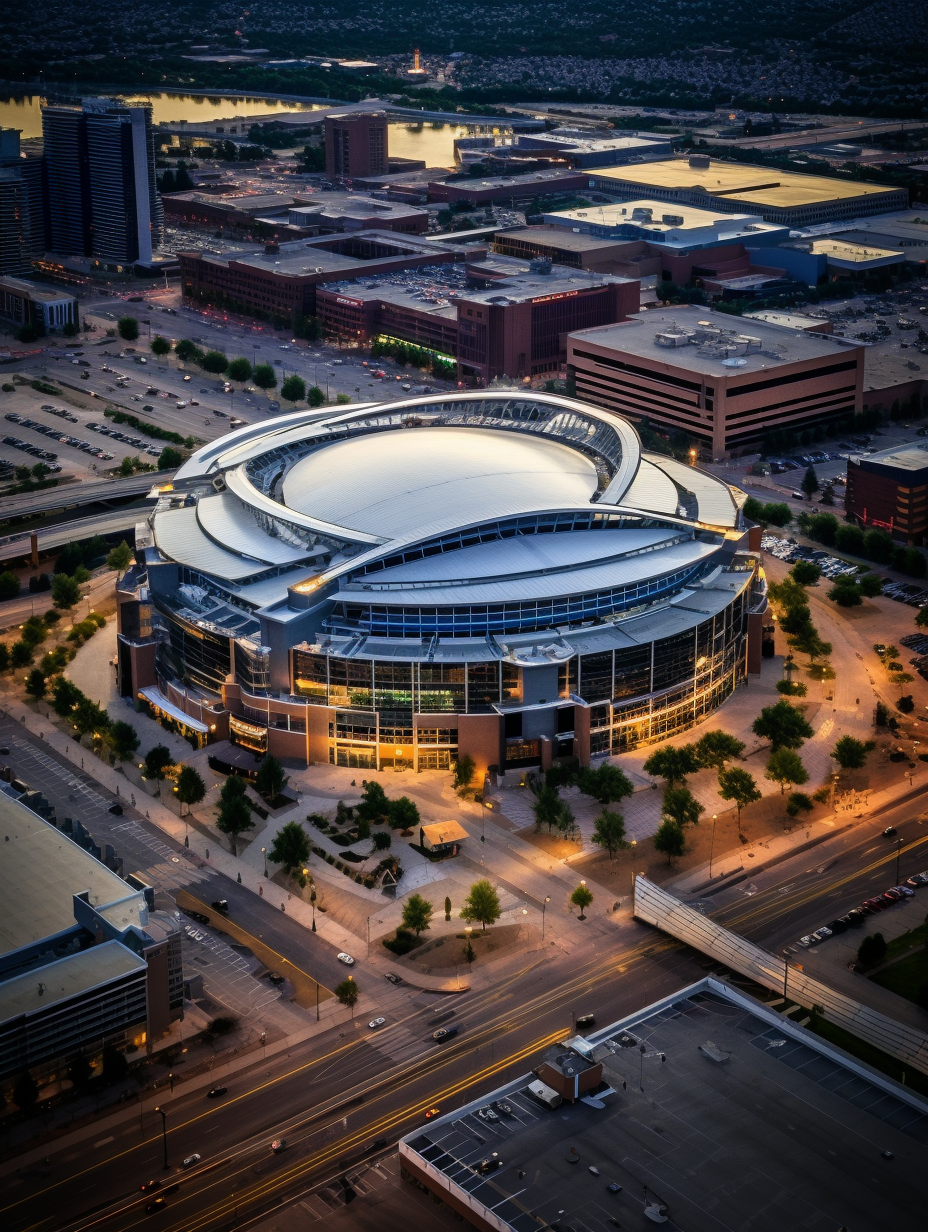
889	490
356	143
692	370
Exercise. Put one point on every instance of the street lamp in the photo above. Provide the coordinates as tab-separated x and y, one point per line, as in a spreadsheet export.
312	903
164	1133
899	843
543	908
264	853
712	844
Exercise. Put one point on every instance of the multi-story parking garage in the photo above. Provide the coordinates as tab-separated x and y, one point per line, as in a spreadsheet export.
498	574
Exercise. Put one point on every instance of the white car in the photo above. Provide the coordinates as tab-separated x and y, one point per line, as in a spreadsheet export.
188	378
191	1160
808	940
376	1023
346	959
180	405
821	934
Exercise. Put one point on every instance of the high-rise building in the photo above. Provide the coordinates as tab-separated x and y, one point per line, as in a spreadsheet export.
356	144
102	185
22	206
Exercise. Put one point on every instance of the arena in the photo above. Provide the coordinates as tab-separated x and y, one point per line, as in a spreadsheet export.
499	574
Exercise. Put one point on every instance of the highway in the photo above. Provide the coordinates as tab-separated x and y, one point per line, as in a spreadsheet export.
88	492
67	532
333	1097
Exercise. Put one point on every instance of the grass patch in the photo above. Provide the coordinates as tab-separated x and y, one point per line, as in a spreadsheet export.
871	1056
906	976
916	937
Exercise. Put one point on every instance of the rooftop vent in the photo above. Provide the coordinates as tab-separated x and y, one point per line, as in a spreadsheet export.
699	160
672	220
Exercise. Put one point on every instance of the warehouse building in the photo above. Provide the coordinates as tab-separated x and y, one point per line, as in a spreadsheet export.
85	959
783	197
693	370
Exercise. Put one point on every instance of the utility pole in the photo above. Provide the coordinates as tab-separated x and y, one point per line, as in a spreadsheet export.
164	1133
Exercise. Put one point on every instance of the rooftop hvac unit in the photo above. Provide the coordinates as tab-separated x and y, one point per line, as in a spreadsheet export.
672	220
699	160
644	212
672	338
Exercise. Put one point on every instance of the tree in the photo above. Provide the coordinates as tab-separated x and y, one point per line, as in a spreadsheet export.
128	328
669	840
36	684
417	913
403	814
189	786
899	678
805	572
293	389
606	784
482	905
547	807
374	804
9	585
783	725
464	770
119	558
810	482
716	748
609	832
870	585
264	376
4	657
921	618
157	760
850	753
872	950
738	785
65	591
382	840
234	814
115	1066
347	992
20	654
581	898
785	767
80	1071
239	369
160	346
169	459
447	908
271	778
65	696
88	717
186	350
681	806
214	361
123	739
846	593
315	396
672	764
25	1092
290	847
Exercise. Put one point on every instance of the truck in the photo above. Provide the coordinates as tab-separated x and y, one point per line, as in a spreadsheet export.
544	1094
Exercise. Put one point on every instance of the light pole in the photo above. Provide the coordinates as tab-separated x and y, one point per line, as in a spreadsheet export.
543	908
899	843
164	1133
712	844
582	916
264	853
312	903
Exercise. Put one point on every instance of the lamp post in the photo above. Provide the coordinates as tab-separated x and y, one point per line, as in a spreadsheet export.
543	909
312	903
899	843
264	853
583	883
164	1133
715	817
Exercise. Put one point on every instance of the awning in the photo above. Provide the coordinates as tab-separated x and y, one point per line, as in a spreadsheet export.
156	698
441	833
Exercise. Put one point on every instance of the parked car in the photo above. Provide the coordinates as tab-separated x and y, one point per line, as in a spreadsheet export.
394	979
487	1114
822	934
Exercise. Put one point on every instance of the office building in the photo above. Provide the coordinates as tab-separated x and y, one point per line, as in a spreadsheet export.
103	195
686	1113
279	280
31	303
889	490
14	222
511	188
515	326
694	370
85	958
582	149
394	585
344	212
784	197
356	143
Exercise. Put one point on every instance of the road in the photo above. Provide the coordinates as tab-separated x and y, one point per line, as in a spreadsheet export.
85	493
69	532
334	1096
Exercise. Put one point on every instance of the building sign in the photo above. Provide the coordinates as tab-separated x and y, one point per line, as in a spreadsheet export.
352	303
544	299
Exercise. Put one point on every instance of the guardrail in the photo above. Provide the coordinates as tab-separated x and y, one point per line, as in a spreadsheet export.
655	906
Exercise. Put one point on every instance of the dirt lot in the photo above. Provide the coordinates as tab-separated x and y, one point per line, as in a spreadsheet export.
445	953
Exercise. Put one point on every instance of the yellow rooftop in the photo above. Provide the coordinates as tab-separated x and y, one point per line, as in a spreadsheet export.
858	253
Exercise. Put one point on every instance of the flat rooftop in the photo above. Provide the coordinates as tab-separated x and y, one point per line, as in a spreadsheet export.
554	236
907	460
41	870
519	288
514	181
618	214
741	181
715	339
316	256
67	977
852	252
34	290
716	1109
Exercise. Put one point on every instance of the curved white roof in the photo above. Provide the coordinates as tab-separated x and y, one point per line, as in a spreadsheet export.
407	482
